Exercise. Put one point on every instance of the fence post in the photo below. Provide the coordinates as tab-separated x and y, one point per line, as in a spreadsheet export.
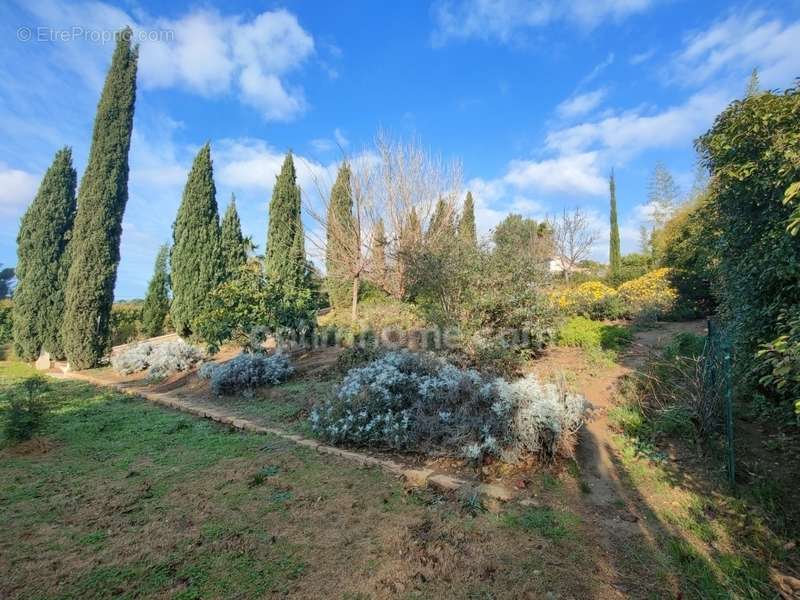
728	399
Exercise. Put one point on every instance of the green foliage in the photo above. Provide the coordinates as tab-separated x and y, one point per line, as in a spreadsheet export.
27	408
43	261
342	245
156	302
6	282
580	332
196	260
520	235
548	522
102	196
232	244
633	265
778	361
466	224
126	322
614	254
6	318
686	244
752	152
249	307
285	260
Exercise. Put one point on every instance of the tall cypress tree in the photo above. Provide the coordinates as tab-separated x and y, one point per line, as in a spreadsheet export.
285	256
466	226
156	302
43	262
342	243
614	255
196	260
102	197
231	240
379	254
441	221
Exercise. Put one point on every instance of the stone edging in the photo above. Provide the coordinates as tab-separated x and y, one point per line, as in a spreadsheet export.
412	477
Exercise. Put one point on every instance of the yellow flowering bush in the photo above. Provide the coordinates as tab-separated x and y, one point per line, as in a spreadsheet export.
651	294
592	299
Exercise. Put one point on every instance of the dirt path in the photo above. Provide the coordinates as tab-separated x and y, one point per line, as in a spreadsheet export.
613	505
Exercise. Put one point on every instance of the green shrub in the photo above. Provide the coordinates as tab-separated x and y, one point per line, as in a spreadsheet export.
778	362
27	409
685	344
5	322
580	332
752	152
356	356
126	322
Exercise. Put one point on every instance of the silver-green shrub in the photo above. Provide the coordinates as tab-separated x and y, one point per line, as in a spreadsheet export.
246	372
420	403
159	360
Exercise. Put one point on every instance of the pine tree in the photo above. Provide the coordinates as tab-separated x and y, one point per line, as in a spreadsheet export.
102	197
234	254
342	245
663	195
753	84
285	256
466	226
614	254
197	263
156	302
43	262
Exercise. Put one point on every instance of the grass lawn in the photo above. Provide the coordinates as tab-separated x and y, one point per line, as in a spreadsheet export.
120	498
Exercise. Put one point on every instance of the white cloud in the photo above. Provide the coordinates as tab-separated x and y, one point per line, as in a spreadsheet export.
738	43
581	104
641	57
17	189
203	52
622	136
507	20
573	173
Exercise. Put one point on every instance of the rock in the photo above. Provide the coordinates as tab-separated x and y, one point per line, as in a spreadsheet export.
529	502
417	477
630	518
43	362
494	490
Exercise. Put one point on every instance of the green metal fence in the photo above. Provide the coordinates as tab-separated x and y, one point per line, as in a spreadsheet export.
718	383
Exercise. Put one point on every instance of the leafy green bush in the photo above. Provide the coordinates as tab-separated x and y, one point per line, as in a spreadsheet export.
5	322
251	306
580	332
357	355
126	322
752	152
778	362
27	408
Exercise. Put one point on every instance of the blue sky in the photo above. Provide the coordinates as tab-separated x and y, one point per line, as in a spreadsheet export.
539	99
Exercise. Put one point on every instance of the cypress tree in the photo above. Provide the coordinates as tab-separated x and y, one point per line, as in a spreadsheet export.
379	254
43	262
196	260
441	221
285	256
342	241
102	197
231	240
614	255
466	226
156	302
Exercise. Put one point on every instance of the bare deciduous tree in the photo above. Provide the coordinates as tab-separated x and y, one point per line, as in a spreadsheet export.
573	238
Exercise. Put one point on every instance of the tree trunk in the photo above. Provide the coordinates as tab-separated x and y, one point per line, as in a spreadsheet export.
354	309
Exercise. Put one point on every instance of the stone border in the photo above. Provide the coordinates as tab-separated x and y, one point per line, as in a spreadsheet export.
412	477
